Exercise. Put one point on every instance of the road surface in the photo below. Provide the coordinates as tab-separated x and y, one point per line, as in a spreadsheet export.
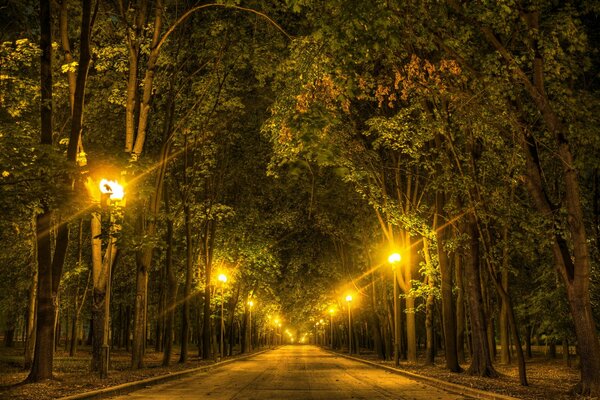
293	373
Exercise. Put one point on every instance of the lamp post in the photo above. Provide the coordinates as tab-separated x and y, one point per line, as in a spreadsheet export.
222	278
331	311
394	259
322	331
250	305
349	301
317	336
111	191
279	334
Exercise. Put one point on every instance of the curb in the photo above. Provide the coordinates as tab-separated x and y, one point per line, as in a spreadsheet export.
135	385
450	387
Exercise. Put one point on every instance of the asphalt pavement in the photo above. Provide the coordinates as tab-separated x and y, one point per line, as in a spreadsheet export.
293	373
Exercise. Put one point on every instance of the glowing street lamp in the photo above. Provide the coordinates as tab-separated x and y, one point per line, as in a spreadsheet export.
222	278
113	189
394	260
349	301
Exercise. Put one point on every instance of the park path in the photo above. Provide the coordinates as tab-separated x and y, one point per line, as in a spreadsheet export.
293	373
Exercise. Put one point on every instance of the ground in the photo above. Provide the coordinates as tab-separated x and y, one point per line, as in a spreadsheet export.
548	378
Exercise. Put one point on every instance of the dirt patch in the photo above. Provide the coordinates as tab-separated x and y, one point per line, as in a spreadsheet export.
72	374
549	379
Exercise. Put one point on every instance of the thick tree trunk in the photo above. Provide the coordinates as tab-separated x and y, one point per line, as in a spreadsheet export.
411	324
481	363
429	305
375	323
187	291
208	238
44	344
144	260
98	298
31	316
171	287
74	334
574	266
206	347
446	287
49	265
504	340
138	346
460	309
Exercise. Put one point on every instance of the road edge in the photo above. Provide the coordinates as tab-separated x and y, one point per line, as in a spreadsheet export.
136	385
449	386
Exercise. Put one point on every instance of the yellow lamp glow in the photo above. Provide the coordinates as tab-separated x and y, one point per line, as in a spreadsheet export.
394	258
251	303
112	188
222	278
349	298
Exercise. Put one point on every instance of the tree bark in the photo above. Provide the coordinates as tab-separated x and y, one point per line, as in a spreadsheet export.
171	287
187	291
481	363
504	328
448	308
31	312
49	264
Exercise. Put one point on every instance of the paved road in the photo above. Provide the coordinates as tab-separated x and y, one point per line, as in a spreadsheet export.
293	373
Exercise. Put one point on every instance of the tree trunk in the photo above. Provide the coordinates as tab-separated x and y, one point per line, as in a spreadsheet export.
171	287
375	323
429	305
460	309
144	260
451	349
187	291
481	363
565	351
49	265
411	325
574	266
504	340
31	315
208	238
44	344
430	348
138	346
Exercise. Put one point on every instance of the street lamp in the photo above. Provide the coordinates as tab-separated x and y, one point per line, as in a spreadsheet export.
111	191
394	259
222	278
331	312
349	301
250	305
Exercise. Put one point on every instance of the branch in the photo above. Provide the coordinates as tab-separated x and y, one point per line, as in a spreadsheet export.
192	10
